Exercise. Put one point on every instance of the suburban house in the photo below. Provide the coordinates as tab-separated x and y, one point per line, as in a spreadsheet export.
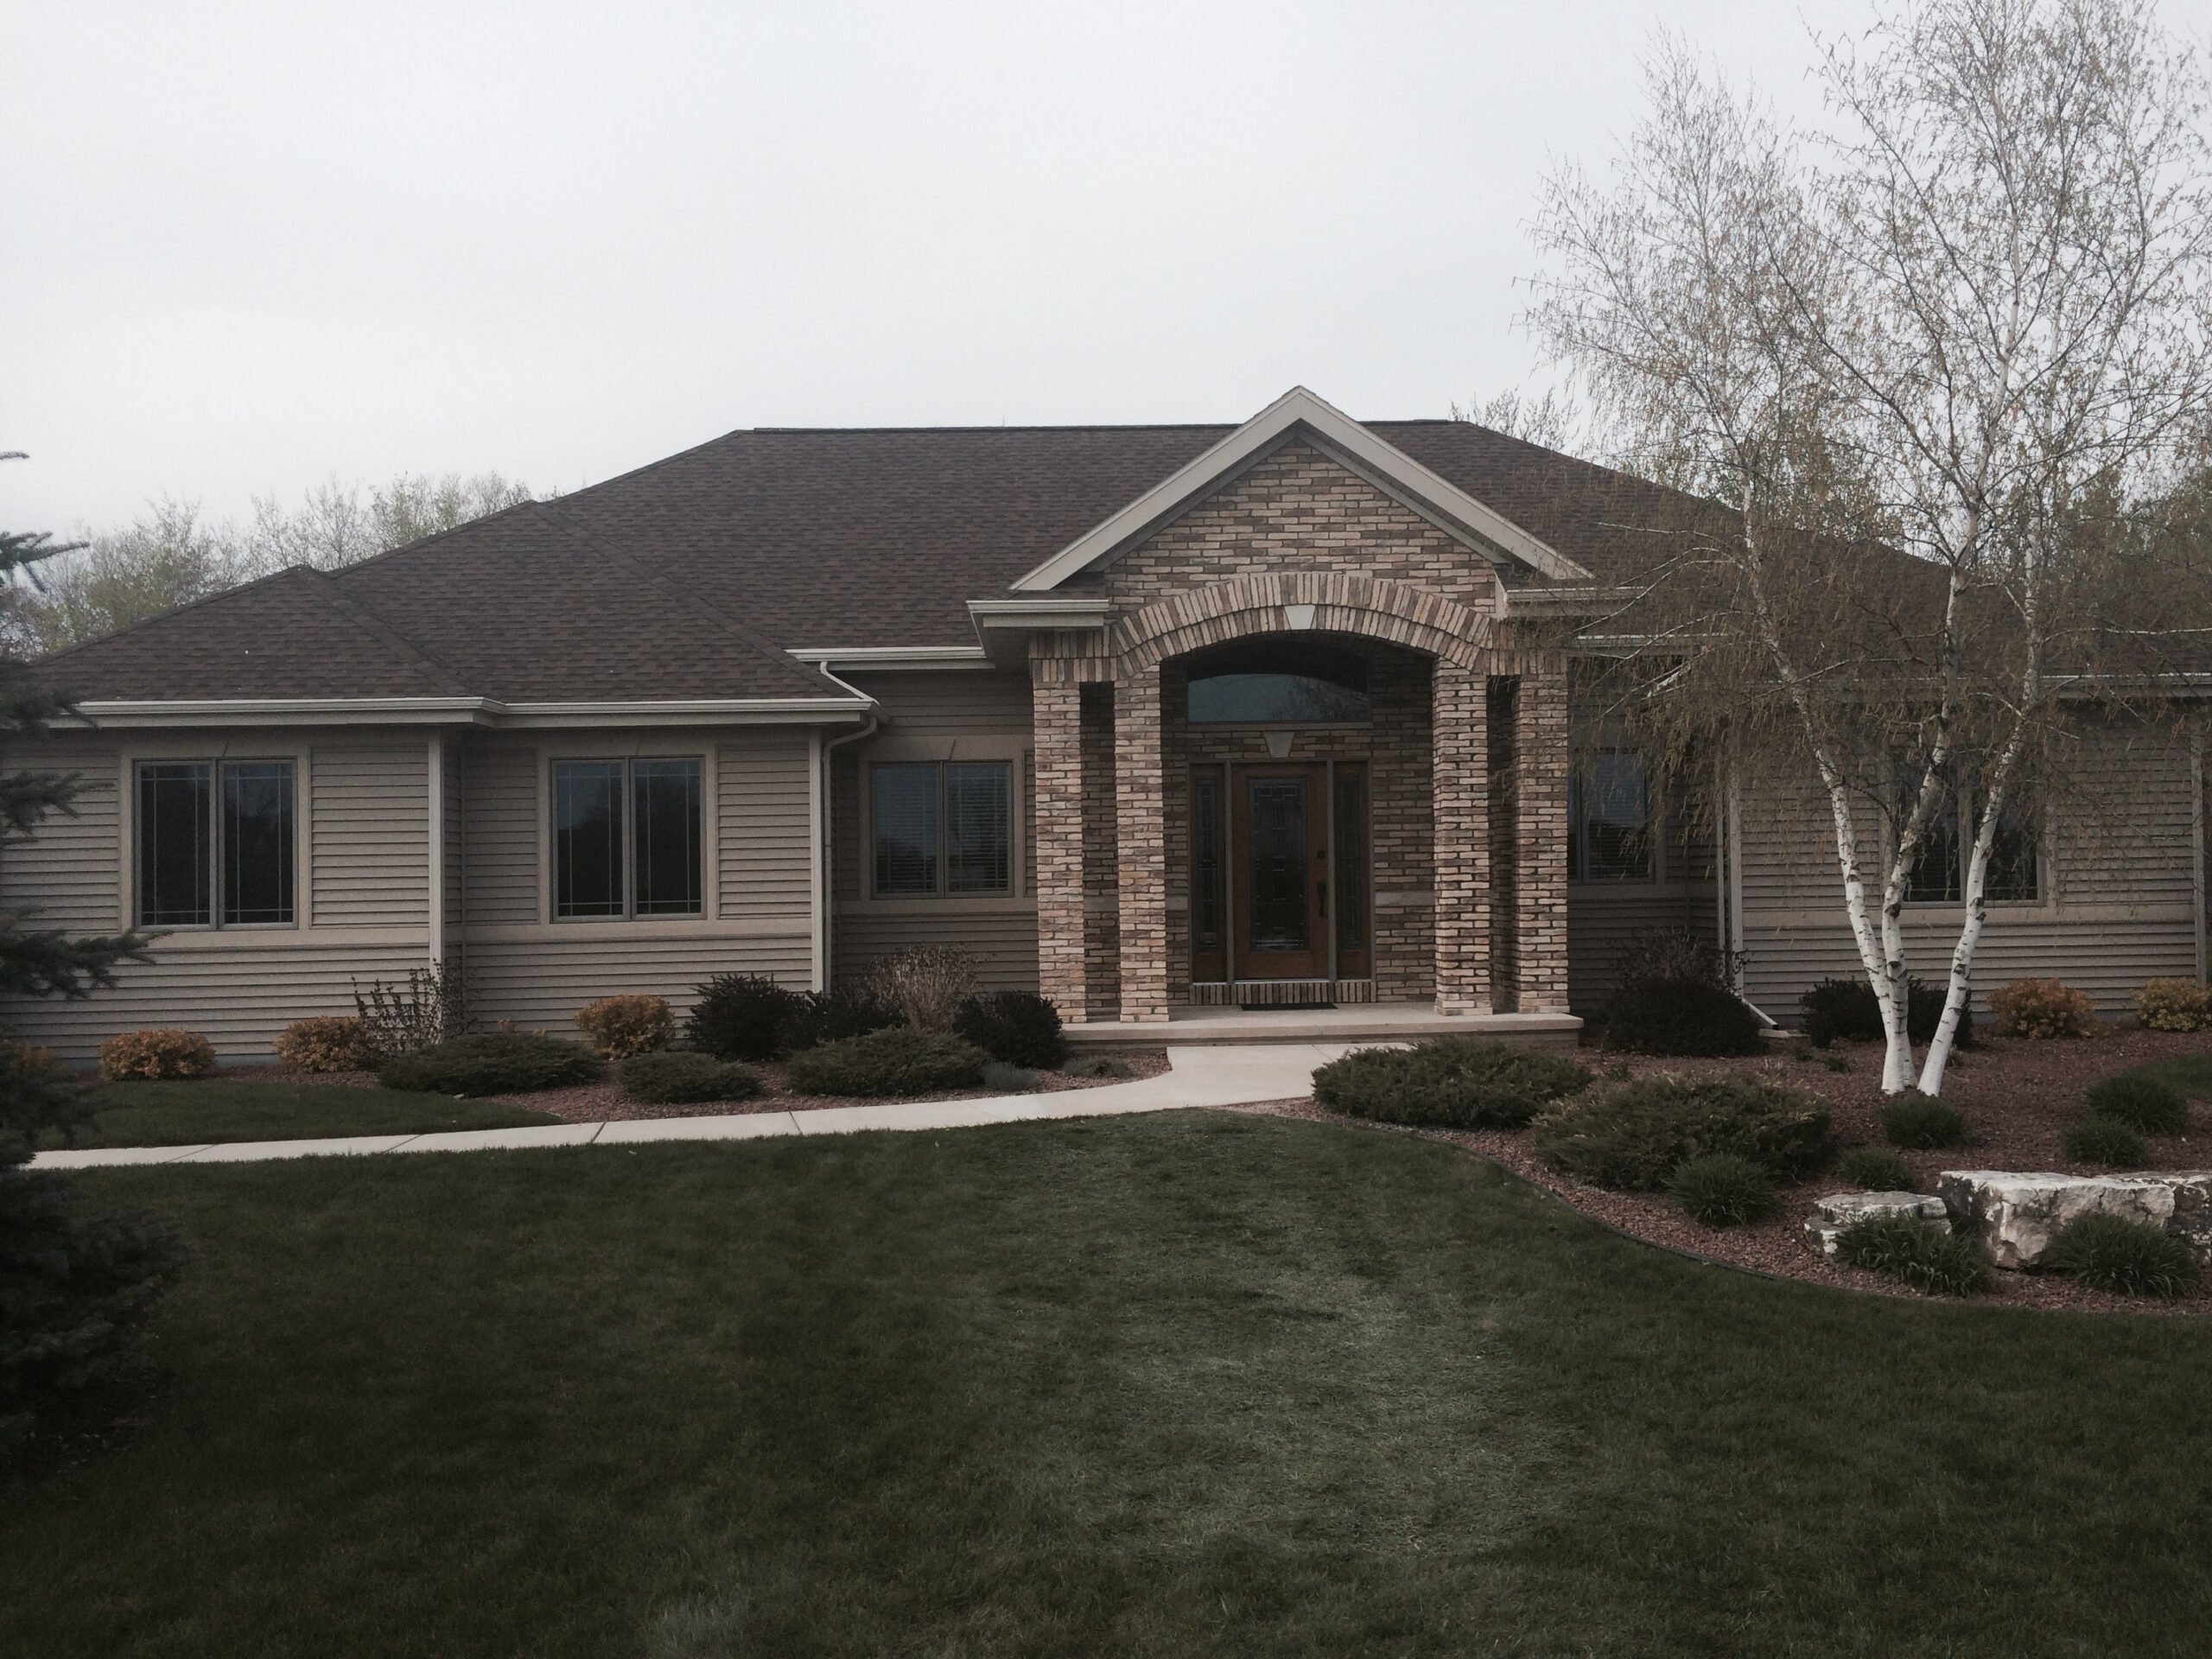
1156	720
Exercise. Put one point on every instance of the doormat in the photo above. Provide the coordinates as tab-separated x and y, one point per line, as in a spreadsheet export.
1280	1008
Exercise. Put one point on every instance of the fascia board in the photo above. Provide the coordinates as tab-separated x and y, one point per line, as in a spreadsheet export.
880	657
459	711
1444	503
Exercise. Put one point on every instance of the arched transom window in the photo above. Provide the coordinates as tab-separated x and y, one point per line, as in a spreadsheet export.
1278	682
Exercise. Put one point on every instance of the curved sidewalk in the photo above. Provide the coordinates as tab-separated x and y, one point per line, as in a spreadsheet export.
1197	1076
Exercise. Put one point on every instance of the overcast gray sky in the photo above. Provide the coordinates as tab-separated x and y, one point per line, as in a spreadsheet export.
248	246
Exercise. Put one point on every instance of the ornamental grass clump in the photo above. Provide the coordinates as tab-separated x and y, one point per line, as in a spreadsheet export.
491	1062
679	1078
1721	1190
619	1026
2041	1008
2174	1005
2140	1103
141	1055
1632	1135
2106	1141
1453	1083
1877	1169
903	1060
926	984
1923	1253
1924	1123
2129	1258
1016	1028
1001	1078
342	1043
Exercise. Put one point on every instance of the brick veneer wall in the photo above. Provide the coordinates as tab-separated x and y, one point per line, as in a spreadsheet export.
1102	883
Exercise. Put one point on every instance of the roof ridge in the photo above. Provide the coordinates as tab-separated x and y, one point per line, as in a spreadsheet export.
368	617
758	643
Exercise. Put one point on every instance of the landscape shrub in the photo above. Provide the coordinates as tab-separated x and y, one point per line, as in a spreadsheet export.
491	1063
1721	1190
663	1077
327	1043
843	1011
926	984
1877	1169
901	1060
1924	1124
1001	1078
2129	1258
1847	1009
1677	953
1632	1135
2105	1141
1922	1253
2174	1005
2041	1009
1455	1083
619	1026
741	1017
166	1054
402	1019
1680	1017
1019	1027
2140	1103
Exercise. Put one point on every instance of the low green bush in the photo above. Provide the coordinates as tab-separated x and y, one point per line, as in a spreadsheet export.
491	1063
1722	1190
901	1060
2106	1140
1924	1124
1922	1253
1455	1083
1847	1008
678	1077
831	1016
2129	1258
740	1017
1001	1078
1680	1017
2140	1103
1019	1027
1877	1169
1633	1136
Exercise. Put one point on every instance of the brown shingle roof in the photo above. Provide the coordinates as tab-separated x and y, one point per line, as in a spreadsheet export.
692	577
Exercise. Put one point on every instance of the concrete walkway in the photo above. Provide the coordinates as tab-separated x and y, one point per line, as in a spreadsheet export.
1197	1076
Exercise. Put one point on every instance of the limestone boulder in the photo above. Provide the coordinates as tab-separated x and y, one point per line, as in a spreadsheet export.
1837	1211
2017	1215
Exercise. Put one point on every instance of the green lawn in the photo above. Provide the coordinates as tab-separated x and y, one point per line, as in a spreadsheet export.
1188	1384
186	1114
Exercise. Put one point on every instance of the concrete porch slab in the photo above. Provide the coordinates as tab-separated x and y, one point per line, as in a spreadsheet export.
1353	1024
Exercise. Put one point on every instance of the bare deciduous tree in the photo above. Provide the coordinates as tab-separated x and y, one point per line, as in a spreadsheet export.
1924	361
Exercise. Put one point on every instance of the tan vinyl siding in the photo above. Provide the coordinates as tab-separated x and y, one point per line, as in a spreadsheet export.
2118	893
542	980
942	717
765	841
70	874
1601	919
499	786
368	825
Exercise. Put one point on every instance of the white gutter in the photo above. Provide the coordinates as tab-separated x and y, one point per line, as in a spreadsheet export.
860	657
465	711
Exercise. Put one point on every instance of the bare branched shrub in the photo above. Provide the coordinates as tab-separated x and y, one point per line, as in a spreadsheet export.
1678	953
926	984
407	1018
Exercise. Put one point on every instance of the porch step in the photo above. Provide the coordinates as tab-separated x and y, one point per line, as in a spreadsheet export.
1372	1022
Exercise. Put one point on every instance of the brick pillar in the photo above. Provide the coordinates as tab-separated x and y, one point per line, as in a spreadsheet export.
1141	845
1541	747
1459	750
1056	833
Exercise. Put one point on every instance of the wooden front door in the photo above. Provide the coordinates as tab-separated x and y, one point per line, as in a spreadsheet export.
1280	841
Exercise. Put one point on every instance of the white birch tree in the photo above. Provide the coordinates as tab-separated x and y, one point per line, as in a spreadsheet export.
1913	358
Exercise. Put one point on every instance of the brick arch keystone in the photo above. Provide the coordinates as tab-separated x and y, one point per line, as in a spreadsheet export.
1395	613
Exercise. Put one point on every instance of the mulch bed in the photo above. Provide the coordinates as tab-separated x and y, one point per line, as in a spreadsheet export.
595	1103
2018	1096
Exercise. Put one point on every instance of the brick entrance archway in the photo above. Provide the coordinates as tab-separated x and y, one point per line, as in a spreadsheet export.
1496	893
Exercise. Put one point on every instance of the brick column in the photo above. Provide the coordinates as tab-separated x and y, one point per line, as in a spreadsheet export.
1142	845
1056	832
1541	747
1459	749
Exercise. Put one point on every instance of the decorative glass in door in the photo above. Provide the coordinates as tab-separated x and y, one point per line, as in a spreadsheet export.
1282	919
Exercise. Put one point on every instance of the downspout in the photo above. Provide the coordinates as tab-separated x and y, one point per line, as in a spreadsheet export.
436	791
2196	838
825	818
